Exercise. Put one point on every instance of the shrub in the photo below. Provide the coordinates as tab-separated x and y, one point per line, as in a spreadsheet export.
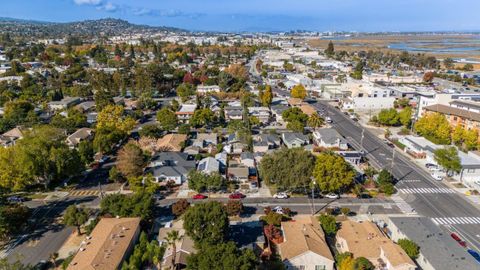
329	224
179	207
410	247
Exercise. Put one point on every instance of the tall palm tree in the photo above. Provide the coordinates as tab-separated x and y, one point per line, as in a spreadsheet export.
315	120
172	238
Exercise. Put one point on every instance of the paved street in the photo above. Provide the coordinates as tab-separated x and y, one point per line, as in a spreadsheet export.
304	205
45	235
427	196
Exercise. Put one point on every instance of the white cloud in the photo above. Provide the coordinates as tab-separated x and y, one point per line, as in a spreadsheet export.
109	7
88	2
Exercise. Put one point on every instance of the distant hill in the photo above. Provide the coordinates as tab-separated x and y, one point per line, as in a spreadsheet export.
104	27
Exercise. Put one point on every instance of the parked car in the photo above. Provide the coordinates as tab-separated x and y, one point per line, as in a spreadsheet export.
328	120
15	199
332	196
475	254
278	210
364	196
199	196
437	176
459	240
315	195
389	143
236	195
430	166
280	195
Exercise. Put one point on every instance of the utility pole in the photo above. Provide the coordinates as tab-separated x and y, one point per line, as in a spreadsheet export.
313	197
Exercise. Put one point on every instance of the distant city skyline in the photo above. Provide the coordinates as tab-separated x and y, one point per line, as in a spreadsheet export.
264	15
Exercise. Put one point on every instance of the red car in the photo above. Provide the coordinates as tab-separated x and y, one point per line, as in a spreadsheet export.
459	240
199	197
237	195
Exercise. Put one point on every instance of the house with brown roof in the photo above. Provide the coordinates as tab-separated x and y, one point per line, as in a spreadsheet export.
108	245
364	239
304	245
308	109
171	142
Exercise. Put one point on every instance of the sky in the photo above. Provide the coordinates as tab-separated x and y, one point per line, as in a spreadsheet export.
261	15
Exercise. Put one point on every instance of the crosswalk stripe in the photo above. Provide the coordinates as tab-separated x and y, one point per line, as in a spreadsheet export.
425	190
455	220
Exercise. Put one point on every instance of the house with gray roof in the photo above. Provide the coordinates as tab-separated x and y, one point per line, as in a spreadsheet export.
294	139
329	138
208	165
171	166
277	111
437	249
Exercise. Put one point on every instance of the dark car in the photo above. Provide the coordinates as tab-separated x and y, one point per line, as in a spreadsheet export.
474	254
364	196
236	195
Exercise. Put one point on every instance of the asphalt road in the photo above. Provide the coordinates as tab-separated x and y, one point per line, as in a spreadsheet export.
303	205
44	235
409	175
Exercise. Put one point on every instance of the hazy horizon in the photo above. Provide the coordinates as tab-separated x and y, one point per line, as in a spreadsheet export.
266	15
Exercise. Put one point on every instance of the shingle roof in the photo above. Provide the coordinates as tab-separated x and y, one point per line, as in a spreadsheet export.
303	236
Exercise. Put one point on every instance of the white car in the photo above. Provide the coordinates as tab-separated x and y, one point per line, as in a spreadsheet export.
332	196
437	177
278	210
281	195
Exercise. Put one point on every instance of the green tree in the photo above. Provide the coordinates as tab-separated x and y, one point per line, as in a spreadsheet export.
130	160
468	67
358	71
140	204
410	247
295	118
114	175
315	120
330	50
332	173
185	90
167	119
151	131
388	117
287	168
267	96
405	116
329	224
172	238
206	223
41	157
298	91
448	158
5	264
362	263
75	216
434	127
13	219
222	256
201	182
86	152
202	117
17	111
448	63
